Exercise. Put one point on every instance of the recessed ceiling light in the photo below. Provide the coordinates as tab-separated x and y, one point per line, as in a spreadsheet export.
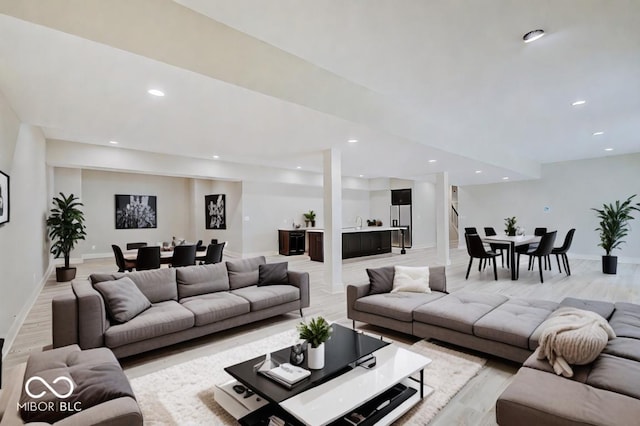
505	178
113	142
598	133
578	103
298	167
478	171
608	149
432	161
215	157
361	175
155	92
532	36
353	141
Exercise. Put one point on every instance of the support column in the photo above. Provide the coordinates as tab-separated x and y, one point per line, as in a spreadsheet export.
332	181
443	204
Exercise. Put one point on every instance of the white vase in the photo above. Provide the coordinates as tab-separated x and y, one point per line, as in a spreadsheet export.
315	357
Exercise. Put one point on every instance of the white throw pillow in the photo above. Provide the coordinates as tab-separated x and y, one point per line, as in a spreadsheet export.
411	278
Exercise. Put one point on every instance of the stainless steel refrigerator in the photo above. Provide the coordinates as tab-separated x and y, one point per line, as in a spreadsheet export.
401	217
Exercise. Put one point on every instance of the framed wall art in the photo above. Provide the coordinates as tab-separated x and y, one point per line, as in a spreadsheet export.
215	211
136	211
4	198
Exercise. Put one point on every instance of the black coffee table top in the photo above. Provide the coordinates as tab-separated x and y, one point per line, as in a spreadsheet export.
345	347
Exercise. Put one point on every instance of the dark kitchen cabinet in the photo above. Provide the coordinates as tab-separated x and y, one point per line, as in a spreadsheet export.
291	242
316	246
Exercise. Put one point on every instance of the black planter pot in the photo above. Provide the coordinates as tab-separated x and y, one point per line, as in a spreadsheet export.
65	274
609	264
512	233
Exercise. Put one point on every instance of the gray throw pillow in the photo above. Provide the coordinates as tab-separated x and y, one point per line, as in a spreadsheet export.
273	273
123	298
381	279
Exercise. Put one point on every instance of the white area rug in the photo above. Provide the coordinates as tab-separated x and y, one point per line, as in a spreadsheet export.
183	394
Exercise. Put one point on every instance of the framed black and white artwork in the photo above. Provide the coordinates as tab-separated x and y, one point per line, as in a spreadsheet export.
136	211
4	198
215	211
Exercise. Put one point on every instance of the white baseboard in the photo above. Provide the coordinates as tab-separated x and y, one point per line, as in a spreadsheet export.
26	308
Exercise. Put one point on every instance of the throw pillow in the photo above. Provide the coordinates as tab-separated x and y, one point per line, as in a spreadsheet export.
411	278
381	279
123	298
273	273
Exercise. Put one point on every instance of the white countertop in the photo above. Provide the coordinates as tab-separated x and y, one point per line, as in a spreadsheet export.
363	229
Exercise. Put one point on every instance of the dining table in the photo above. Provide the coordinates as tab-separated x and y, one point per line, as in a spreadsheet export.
165	255
513	241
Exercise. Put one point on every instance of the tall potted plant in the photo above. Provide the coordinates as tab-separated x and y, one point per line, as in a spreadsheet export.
613	227
315	333
66	228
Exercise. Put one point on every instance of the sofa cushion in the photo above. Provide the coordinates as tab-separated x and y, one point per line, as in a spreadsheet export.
268	296
123	299
514	321
459	311
273	273
160	319
244	272
625	320
580	372
624	347
605	309
616	374
381	279
399	306
157	285
201	279
412	279
212	307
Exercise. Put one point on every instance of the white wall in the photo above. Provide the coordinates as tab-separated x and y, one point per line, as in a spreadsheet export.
24	253
424	214
570	189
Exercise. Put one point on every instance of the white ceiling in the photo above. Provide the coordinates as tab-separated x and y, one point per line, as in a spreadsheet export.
478	96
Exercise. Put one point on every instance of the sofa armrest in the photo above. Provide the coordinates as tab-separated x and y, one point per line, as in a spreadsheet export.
64	309
92	315
438	279
301	280
355	292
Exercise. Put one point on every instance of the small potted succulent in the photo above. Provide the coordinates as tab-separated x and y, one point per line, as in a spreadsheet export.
613	227
310	217
315	333
510	223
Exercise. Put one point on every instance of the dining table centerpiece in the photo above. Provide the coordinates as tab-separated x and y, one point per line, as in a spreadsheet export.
510	224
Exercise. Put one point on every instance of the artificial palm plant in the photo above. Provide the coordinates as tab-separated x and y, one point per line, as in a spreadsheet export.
316	332
614	226
66	228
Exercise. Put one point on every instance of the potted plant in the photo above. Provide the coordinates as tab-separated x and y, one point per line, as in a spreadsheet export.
614	226
316	332
510	223
66	228
310	217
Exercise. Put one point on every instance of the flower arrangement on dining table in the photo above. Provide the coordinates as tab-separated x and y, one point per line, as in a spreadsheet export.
510	223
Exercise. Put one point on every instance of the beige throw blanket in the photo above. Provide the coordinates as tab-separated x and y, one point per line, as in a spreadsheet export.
573	336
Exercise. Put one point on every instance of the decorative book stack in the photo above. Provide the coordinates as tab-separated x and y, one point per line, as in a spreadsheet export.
287	374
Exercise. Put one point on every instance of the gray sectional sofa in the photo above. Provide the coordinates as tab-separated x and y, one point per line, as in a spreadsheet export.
605	392
176	304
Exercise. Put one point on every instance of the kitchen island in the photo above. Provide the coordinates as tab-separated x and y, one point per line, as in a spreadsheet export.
356	242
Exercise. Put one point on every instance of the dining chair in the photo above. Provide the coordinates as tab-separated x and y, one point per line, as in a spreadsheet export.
476	250
184	255
148	258
214	253
524	248
133	246
543	250
214	241
122	263
489	232
470	230
562	251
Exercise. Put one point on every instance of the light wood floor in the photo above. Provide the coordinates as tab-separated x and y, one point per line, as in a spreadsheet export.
474	404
